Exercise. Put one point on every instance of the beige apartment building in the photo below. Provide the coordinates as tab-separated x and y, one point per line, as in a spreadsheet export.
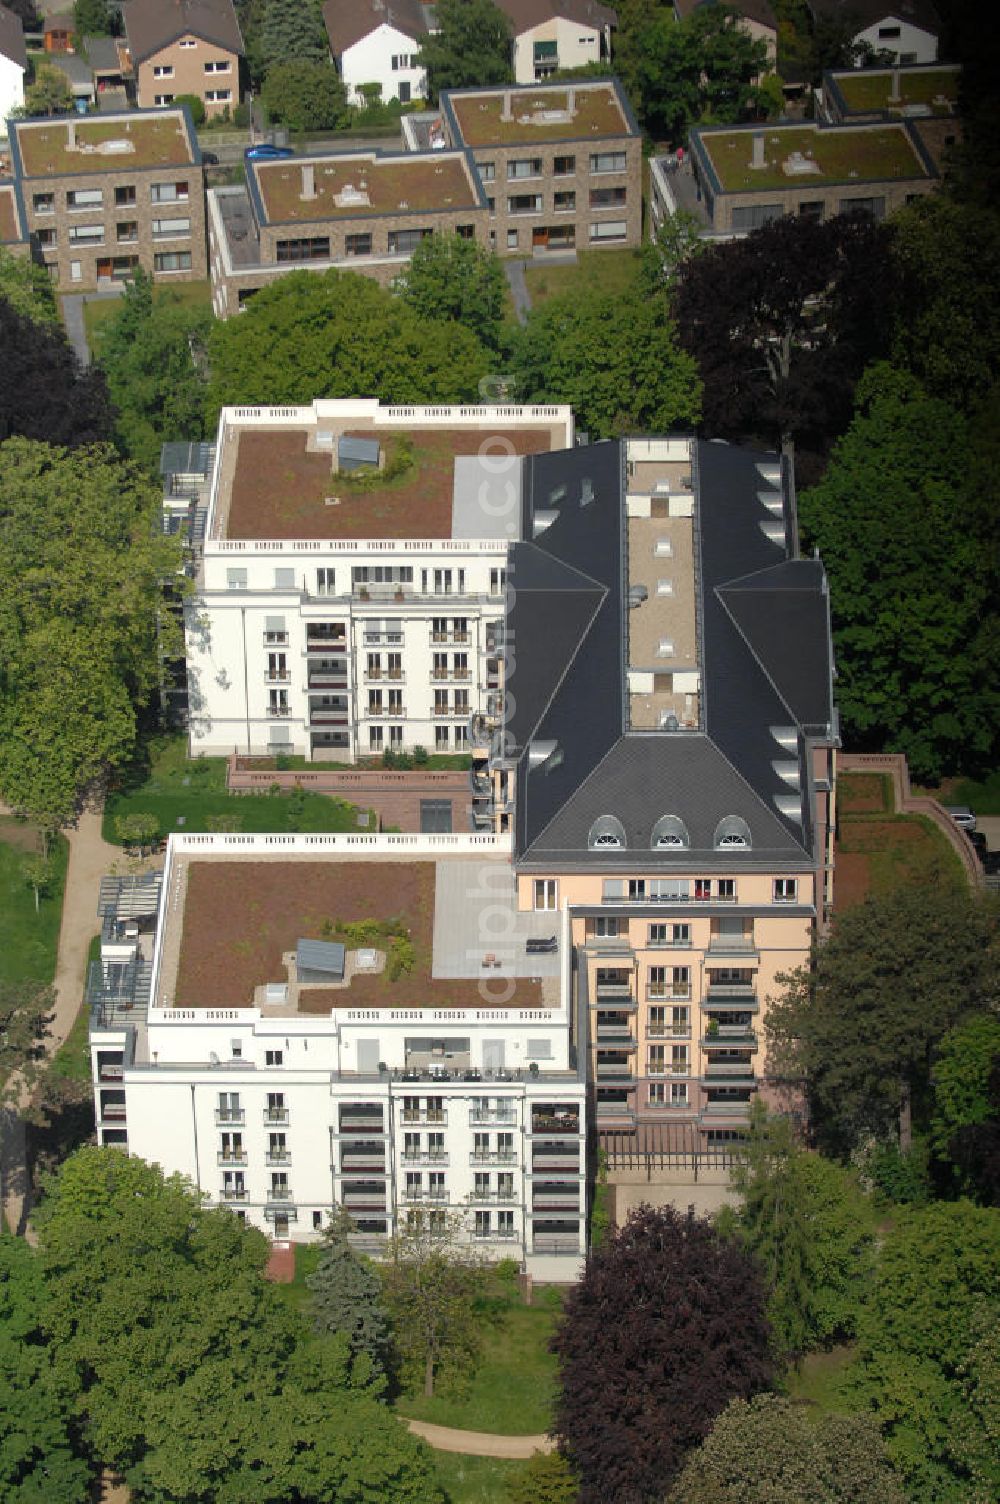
665	768
107	195
561	165
183	47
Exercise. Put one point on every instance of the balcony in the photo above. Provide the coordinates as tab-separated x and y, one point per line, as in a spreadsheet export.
668	1031
658	1069
362	1120
278	712
326	644
230	1115
496	1235
437	637
327	680
112	1112
741	1069
546	1123
671	994
279	1195
327	715
616	1073
274	1115
732	1039
609	945
420	1193
610	992
552	1159
615	1035
231	1157
493	1157
743	946
492	1115
278	1157
424	1115
551	1199
727	1111
547	1244
277	675
735	992
111	1072
425	1156
369	1200
615	1112
235	1193
503	1198
354	1163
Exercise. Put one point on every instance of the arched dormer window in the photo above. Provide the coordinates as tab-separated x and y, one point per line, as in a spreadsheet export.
607	830
731	831
669	830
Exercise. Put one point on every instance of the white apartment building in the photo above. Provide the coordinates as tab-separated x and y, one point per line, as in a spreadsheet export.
284	1073
352	575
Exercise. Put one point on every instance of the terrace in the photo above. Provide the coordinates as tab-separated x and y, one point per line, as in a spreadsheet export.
508	117
274	484
232	921
809	155
346	187
61	147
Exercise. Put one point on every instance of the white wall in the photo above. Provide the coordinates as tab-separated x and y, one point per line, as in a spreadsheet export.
916	45
11	90
370	61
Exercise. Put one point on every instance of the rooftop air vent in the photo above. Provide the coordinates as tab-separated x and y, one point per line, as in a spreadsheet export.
636	595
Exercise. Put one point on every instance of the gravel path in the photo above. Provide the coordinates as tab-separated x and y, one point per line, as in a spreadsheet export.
480	1443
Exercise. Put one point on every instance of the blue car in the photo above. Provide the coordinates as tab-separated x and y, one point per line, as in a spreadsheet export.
265	152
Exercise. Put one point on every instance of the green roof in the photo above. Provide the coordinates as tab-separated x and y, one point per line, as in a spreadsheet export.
838	154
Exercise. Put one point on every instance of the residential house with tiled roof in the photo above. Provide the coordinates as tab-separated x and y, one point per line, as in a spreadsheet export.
13	65
185	47
376	42
550	35
906	29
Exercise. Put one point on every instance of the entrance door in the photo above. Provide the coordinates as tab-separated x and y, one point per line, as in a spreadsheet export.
104	268
281	1227
540	238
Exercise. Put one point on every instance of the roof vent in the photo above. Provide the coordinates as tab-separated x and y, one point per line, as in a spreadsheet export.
586	491
636	595
541	751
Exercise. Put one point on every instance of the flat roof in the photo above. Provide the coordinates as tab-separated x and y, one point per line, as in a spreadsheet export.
112	143
563	113
10	219
357	185
275	483
838	154
231	920
864	89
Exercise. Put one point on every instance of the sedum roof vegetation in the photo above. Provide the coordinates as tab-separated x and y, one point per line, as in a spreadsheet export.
160	141
863	154
396	186
596	113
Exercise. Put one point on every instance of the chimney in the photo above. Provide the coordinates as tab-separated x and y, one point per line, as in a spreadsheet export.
895	93
506	113
571	102
757	160
71	135
308	181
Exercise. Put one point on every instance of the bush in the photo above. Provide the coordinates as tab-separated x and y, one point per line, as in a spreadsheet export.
401	959
195	105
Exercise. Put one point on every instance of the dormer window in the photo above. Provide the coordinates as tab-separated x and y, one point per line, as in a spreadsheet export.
606	831
732	831
669	830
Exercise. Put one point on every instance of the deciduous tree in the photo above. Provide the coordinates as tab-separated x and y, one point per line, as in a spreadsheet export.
703	67
964	1062
912	585
810	1228
859	1025
773	1449
613	357
546	1478
783	322
471	46
49	93
40	1458
306	95
431	1283
665	1328
93	18
44	392
80	619
452	278
336	334
28	289
927	1366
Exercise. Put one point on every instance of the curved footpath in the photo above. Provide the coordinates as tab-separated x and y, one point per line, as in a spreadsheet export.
479	1443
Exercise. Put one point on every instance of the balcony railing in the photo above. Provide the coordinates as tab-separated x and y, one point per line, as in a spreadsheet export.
280	1193
554	1245
278	712
231	1157
550	1200
111	1072
552	1159
732	945
112	1112
369	1200
494	1115
503	1197
621	1036
327	716
424	1115
492	1157
495	1235
237	1193
275	1115
278	1157
230	1115
327	681
668	1031
425	1157
716	1068
421	1193
613	991
277	675
717	990
739	1039
545	1123
362	1122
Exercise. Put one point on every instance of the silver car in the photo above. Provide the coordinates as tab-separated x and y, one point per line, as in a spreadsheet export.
962	815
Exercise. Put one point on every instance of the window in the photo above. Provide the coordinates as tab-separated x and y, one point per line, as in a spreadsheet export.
304	248
404	93
401	61
326	582
512	240
656	985
218	67
163	99
657	1094
236	579
441	738
86	234
564	203
607	830
358	245
461	737
188	42
374	702
669	830
277	666
606	198
44	203
85	198
656	1061
888	33
546	893
498	581
657	934
172	261
482	1229
563	167
168	193
606	927
375	738
218	96
405	242
524	203
76	271
525	167
681	1021
680	982
607	161
163	70
46	238
678	1094
127	231
609	229
277	703
680	934
752	216
461	702
487	171
786	889
168	229
811	208
505	1224
395	732
274	1057
873	207
727	888
275	630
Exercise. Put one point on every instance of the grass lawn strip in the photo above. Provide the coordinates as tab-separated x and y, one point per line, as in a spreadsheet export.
474	1480
593	271
98	312
28	940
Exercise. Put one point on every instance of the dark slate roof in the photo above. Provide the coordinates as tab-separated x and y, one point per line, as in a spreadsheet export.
764	655
151	25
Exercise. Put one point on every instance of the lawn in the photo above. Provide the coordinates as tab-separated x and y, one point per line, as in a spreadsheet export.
820	1379
72	1059
186	794
878	850
512	1389
474	1480
307	1256
592	271
870	90
98	312
28	940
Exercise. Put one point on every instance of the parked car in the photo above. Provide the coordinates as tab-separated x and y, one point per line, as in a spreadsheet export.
991	863
979	841
962	815
209	159
265	152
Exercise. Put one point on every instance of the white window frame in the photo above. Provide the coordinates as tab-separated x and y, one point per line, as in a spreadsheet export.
546	889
